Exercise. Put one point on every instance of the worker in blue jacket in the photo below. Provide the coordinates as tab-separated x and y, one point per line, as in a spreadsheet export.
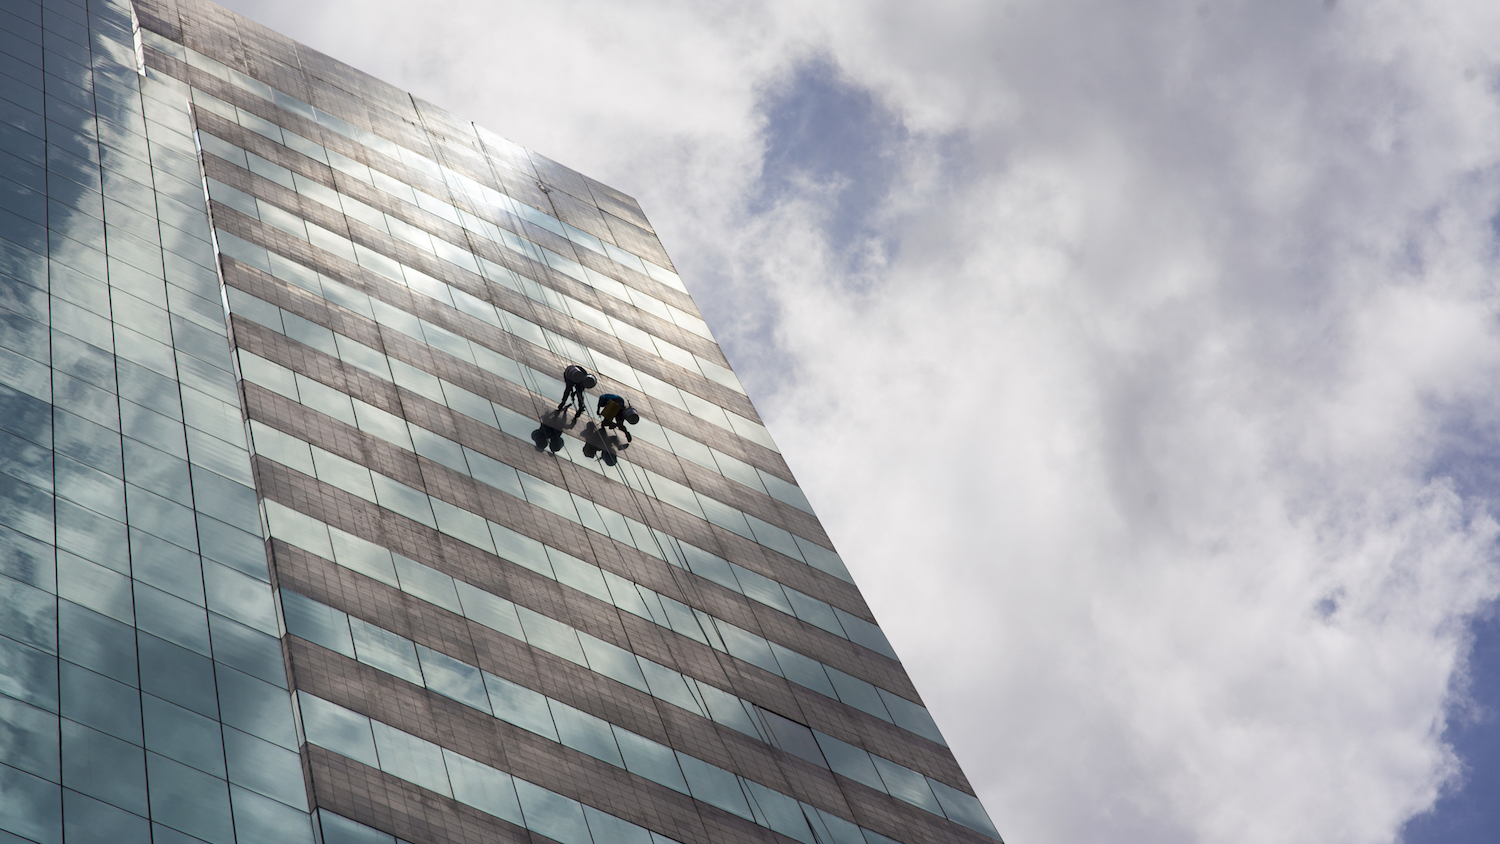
614	412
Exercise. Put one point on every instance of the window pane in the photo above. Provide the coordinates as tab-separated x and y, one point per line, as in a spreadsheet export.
28	614
649	759
521	706
850	761
964	808
88	821
239	597
258	708
411	758
551	636
28	739
103	767
96	642
27	560
904	783
336	728
553	815
453	678
483	787
168	567
99	702
247	649
428	584
715	786
386	651
780	812
793	737
173	619
585	733
30	806
264	768
317	623
182	735
338	829
259	818
613	830
490	610
178	675
189	800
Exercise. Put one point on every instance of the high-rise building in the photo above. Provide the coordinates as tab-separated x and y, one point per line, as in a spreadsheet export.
287	553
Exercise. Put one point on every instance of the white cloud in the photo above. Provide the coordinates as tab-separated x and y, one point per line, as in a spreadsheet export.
1130	439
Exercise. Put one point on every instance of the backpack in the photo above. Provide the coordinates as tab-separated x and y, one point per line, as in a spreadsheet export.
610	398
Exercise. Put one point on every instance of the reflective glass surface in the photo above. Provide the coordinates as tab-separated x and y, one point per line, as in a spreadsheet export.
111	360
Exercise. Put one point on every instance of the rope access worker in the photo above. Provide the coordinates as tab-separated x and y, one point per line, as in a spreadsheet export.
577	379
614	412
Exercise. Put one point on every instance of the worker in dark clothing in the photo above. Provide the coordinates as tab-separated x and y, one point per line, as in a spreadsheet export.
614	412
577	379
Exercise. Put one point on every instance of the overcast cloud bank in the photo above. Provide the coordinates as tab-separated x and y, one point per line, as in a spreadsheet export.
1138	358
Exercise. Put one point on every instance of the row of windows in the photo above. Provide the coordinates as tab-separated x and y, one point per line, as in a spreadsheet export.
60	105
605	828
117	225
522	624
610	743
416	760
87	318
330	543
98	396
144	580
69	11
72	121
435	768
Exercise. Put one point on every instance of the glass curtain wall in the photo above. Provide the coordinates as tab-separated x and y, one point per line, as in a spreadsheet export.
288	521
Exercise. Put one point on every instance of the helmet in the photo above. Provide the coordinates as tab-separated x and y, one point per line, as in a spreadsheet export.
631	416
590	382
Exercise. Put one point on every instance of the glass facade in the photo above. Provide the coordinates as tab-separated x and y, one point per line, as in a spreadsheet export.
293	546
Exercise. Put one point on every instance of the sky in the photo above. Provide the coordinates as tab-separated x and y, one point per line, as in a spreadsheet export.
1139	359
